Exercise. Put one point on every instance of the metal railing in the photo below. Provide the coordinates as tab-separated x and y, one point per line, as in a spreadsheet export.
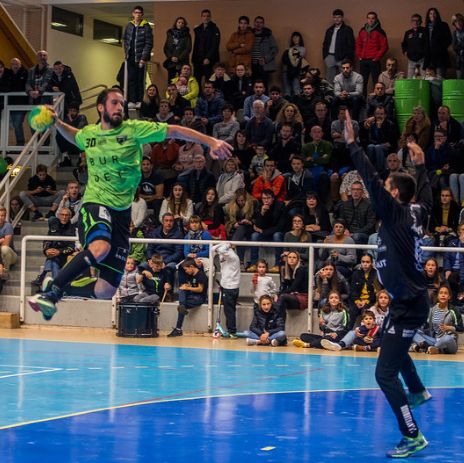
311	265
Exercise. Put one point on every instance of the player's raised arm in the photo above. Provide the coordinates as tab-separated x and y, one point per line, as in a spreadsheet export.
416	153
219	148
68	132
348	132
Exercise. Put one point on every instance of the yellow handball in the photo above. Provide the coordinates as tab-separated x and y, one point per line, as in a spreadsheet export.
40	118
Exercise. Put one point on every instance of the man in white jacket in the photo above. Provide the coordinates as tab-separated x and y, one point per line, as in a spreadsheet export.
230	284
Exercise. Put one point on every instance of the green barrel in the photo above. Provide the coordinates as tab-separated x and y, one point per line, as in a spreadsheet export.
453	97
410	93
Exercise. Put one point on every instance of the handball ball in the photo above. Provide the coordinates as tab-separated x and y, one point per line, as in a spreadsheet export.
40	118
3	165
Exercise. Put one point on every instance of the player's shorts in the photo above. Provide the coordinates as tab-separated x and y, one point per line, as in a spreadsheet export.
98	222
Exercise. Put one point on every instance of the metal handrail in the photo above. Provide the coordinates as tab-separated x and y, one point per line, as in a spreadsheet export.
312	246
93	95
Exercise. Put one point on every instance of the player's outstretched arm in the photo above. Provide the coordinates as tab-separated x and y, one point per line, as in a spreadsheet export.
219	148
68	132
348	132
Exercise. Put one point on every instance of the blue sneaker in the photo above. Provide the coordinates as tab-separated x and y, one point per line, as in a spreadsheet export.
408	446
418	398
45	301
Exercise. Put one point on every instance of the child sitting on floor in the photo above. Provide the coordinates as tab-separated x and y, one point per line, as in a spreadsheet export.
268	326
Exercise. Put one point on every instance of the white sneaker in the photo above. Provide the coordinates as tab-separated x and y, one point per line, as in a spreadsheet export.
131	105
251	342
329	345
275	343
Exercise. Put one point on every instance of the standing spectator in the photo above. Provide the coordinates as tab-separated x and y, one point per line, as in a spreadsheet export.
38	79
209	107
177	47
371	46
292	59
437	56
458	43
8	253
241	86
197	180
151	186
226	129
348	89
205	47
240	45
63	80
18	79
262	285
264	51
339	44
258	94
259	128
189	91
391	75
230	181
270	179
57	252
4	84
150	103
138	43
41	191
415	45
269	225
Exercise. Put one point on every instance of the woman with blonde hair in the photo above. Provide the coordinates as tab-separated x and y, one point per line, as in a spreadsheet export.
419	123
290	114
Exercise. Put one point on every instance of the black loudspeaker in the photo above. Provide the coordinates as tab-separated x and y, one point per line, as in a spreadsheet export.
138	320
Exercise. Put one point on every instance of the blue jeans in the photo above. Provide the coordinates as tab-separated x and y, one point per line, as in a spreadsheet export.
52	265
456	182
17	119
280	336
254	251
446	343
348	339
377	155
189	300
291	86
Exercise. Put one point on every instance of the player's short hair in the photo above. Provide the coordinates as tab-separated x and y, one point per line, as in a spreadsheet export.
157	258
103	96
189	262
405	184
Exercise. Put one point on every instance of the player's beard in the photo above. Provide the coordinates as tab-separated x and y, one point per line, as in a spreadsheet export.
112	121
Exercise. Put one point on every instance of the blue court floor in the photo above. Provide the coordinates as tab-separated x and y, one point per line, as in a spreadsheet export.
74	402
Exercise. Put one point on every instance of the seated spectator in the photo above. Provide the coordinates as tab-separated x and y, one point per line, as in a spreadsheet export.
41	191
155	281
193	293
347	182
259	128
329	279
268	326
299	182
382	139
440	333
208	109
389	77
198	180
269	226
364	286
177	104
341	159
138	251
270	179
198	252
128	287
163	157
348	90
258	95
186	155
150	103
333	323
317	155
322	88
191	90
172	253
276	103
179	205
81	173
76	120
393	166
241	86
221	81
358	214
420	124
298	234
444	218
289	115
343	258
257	162
191	122
453	264
262	285
285	148
15	207
434	279
293	293
71	200
378	99
321	119
151	186
165	114
242	150
449	124
307	102
138	209
230	181
316	217
212	214
241	213
8	253
439	159
226	129
57	252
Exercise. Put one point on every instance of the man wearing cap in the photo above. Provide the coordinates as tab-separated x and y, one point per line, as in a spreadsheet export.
339	43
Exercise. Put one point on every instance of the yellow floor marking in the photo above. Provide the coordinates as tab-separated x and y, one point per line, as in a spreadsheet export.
268	448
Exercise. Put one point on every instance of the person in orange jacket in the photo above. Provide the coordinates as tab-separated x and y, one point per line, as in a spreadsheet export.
272	179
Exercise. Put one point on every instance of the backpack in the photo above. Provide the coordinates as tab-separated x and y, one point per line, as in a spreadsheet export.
148	225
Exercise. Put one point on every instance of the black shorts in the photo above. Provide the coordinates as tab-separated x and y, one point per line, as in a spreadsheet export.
99	222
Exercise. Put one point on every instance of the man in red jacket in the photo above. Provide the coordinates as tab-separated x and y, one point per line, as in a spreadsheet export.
272	179
371	46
